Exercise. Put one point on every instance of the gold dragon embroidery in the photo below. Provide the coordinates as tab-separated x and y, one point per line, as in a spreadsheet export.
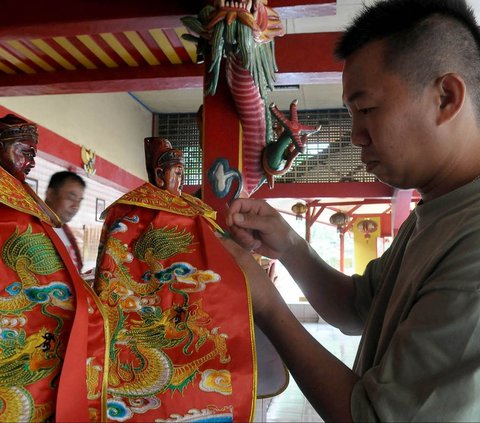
140	362
27	254
26	359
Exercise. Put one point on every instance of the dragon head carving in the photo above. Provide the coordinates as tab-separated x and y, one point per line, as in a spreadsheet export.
237	28
261	19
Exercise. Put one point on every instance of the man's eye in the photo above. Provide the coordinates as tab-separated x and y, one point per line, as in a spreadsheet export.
366	110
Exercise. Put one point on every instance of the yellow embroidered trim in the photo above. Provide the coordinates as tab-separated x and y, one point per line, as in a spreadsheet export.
107	337
252	343
14	195
149	196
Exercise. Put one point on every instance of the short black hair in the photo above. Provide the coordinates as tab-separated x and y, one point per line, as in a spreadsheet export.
58	179
424	39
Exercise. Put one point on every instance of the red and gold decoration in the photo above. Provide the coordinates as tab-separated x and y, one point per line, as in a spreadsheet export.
237	41
299	209
366	230
179	350
367	227
18	196
88	159
50	326
340	220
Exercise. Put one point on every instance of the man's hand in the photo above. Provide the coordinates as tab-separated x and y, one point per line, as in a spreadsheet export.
258	227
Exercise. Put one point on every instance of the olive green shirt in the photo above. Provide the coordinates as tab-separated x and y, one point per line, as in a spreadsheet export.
419	357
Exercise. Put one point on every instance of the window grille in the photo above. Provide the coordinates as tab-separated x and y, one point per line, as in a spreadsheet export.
329	155
181	130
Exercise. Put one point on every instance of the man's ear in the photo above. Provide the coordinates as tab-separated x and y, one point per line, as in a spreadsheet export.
451	96
49	195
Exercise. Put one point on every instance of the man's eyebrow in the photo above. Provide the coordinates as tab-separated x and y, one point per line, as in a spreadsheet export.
355	96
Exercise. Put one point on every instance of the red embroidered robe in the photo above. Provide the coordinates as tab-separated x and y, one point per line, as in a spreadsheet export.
179	310
50	326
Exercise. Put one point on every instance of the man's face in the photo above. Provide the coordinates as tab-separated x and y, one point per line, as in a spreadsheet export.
65	201
394	126
173	179
17	157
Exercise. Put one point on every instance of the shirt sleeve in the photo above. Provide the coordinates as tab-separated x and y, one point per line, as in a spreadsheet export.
431	368
366	286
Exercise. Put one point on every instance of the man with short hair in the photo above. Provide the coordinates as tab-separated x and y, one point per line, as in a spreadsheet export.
52	339
64	195
411	83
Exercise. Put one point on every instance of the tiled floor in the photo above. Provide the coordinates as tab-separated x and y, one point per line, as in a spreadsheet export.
291	405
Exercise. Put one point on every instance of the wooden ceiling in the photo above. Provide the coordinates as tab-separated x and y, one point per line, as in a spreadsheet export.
92	46
58	47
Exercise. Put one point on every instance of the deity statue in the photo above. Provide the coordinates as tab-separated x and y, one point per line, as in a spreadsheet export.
178	305
50	326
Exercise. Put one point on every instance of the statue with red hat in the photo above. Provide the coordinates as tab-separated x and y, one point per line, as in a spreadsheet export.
179	311
48	312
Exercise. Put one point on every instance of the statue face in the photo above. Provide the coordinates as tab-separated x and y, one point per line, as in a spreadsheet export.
17	157
173	179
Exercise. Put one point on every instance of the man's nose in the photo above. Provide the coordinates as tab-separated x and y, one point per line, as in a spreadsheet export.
359	136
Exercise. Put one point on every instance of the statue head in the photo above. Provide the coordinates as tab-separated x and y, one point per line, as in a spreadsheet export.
165	165
18	145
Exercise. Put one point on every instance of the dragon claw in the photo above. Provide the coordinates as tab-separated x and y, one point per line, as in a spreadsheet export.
292	138
291	124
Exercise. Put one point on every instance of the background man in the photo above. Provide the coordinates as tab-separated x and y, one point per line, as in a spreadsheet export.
411	82
64	196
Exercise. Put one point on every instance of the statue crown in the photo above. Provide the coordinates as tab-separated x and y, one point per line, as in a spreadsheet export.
170	157
19	131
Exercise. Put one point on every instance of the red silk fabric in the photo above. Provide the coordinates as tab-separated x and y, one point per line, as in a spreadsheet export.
180	315
47	330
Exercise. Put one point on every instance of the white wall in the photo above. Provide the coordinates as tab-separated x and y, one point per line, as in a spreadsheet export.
112	124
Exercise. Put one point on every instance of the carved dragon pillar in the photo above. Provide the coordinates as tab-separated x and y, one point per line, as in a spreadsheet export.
240	151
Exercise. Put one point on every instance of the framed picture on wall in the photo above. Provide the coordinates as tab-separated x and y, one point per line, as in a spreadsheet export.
99	208
33	183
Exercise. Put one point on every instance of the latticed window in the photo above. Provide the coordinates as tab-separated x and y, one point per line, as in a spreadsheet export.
329	155
181	130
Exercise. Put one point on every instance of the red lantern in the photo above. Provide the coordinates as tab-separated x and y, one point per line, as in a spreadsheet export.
299	209
367	227
340	219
